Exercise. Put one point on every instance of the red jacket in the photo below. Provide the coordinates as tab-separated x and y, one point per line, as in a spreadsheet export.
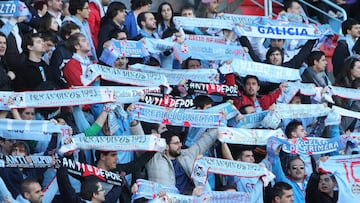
72	72
94	23
265	101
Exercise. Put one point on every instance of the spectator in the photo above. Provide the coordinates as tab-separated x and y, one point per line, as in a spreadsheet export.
35	71
189	11
31	191
297	178
321	187
54	8
282	193
48	23
164	18
174	166
6	76
351	31
315	73
79	10
113	21
77	65
97	11
207	9
61	54
131	22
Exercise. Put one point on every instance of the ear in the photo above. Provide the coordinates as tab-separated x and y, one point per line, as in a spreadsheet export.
26	195
277	199
77	47
29	47
167	147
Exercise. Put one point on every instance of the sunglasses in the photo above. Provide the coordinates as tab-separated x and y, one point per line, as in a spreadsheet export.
297	167
29	113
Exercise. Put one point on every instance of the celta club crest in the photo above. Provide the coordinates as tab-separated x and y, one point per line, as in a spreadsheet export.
184	48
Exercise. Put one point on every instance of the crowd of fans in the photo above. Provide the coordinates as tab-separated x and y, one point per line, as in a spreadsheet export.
53	50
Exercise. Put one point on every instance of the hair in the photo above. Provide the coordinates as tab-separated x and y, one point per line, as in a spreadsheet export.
45	22
314	56
291	127
112	10
3	35
272	50
159	17
136	4
240	150
75	5
28	40
142	18
67	28
288	4
98	153
167	135
201	100
73	41
329	174
49	36
356	83
343	79
278	189
39	5
202	10
187	7
295	158
25	185
242	109
88	187
147	127
185	64
347	25
251	77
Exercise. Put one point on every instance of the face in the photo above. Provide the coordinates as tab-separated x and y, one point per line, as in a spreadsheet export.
35	195
275	58
84	12
166	12
84	45
120	17
194	64
110	160
28	114
299	132
295	8
174	147
100	194
150	22
355	71
121	63
326	184
250	110
54	26
55	5
48	45
6	146
2	46
18	151
296	100
38	45
251	87
297	170
354	32
247	156
287	197
213	6
162	128
277	43
188	13
320	65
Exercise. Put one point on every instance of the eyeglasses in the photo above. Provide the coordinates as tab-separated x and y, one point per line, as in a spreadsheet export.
86	8
29	113
297	167
101	190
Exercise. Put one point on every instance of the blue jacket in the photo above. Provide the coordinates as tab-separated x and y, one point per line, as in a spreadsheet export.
131	25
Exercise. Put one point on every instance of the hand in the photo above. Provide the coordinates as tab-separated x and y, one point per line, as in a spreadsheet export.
238	117
11	75
197	191
130	108
283	85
